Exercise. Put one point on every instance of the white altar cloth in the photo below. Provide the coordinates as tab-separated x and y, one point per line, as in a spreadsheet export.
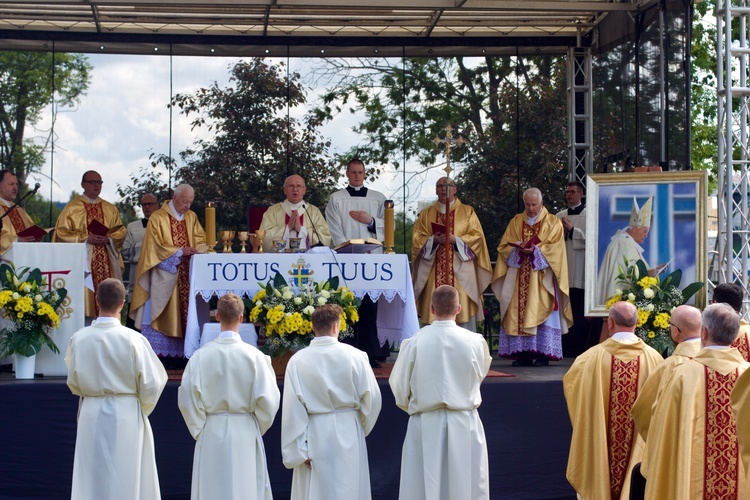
382	277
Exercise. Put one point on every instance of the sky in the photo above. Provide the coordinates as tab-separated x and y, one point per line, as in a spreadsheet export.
124	118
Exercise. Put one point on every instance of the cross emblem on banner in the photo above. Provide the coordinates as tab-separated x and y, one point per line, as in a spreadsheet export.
301	273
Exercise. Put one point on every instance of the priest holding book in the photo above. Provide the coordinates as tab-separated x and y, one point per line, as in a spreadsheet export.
531	285
460	260
17	220
89	219
357	212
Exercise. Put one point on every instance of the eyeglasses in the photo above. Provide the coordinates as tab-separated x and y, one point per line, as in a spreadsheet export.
447	184
676	327
294	186
571	191
98	183
149	204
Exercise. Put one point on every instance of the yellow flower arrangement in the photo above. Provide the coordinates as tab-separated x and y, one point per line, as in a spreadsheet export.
654	299
31	306
284	312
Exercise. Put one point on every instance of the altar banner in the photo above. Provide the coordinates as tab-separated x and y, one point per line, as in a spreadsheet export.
382	277
63	265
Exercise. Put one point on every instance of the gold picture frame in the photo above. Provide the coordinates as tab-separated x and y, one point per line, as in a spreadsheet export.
677	235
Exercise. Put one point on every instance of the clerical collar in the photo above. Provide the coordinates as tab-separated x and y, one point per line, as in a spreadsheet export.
7	203
89	199
576	209
357	191
293	206
626	337
177	215
442	205
531	220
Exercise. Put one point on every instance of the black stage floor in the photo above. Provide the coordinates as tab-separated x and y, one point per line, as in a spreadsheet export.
525	421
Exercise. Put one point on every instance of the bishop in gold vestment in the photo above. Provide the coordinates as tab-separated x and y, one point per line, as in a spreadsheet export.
600	389
531	283
162	288
104	259
464	265
692	442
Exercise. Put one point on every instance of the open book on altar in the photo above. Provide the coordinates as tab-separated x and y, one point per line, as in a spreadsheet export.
35	232
359	245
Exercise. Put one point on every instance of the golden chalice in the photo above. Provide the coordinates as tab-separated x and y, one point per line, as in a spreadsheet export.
242	236
227	237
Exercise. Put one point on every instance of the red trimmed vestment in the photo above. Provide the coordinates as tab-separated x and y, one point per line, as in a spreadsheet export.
692	443
600	389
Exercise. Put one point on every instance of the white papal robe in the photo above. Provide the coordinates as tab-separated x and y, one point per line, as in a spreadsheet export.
621	247
229	398
331	402
119	380
436	380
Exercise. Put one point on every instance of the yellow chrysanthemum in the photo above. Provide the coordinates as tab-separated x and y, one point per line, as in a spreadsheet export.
342	322
255	313
661	320
260	295
5	297
275	315
651	334
643	317
353	315
24	305
648	282
612	300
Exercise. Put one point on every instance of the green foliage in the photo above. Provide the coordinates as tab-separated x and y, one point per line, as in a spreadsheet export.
27	83
254	145
402	234
511	113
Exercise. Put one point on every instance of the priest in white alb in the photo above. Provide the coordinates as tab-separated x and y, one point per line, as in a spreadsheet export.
436	380
119	380
331	402
294	218
229	398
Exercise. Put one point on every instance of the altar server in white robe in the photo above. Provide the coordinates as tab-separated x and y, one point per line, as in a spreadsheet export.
119	380
331	402
436	380
229	398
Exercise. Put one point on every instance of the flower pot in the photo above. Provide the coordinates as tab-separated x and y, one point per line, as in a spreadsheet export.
24	366
279	363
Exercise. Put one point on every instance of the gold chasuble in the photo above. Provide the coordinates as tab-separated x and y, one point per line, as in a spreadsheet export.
741	408
468	268
692	442
14	223
528	296
600	389
104	261
742	342
166	285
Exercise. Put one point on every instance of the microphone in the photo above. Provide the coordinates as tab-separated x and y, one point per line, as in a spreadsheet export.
36	187
312	225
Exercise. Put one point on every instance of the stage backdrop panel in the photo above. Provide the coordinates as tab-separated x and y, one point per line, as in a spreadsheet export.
63	264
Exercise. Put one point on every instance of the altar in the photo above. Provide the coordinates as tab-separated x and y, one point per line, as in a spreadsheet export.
386	279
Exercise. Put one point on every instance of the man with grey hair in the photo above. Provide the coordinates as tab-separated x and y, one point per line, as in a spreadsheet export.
600	389
692	441
531	284
162	287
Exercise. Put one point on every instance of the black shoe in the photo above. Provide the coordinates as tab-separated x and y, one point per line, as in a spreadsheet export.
522	362
375	364
541	362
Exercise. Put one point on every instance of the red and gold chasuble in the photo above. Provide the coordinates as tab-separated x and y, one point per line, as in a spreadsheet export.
101	268
15	219
524	276
740	343
444	256
722	453
623	391
180	239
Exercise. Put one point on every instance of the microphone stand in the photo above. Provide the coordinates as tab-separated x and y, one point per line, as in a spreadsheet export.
314	228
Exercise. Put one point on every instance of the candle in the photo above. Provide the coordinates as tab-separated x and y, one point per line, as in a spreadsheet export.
390	225
210	225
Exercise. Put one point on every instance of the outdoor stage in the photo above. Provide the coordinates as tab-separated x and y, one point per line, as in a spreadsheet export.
525	421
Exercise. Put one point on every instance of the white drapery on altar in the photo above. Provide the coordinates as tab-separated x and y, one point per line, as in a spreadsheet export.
383	277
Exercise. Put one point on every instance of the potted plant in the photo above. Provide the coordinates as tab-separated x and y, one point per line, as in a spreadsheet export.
30	306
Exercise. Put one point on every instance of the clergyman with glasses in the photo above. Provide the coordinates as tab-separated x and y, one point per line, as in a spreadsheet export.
89	219
463	263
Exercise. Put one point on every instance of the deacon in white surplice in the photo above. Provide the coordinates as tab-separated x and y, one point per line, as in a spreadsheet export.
229	398
331	402
119	380
436	380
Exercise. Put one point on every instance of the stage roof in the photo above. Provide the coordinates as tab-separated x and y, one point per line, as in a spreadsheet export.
304	27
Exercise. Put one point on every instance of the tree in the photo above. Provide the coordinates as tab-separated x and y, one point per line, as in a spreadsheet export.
511	111
255	145
28	83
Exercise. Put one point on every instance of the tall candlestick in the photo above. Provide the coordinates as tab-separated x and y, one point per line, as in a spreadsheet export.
390	226
210	226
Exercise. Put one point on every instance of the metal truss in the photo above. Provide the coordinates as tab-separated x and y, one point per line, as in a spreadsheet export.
733	243
580	109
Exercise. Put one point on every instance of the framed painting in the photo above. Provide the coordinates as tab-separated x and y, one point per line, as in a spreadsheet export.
674	213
